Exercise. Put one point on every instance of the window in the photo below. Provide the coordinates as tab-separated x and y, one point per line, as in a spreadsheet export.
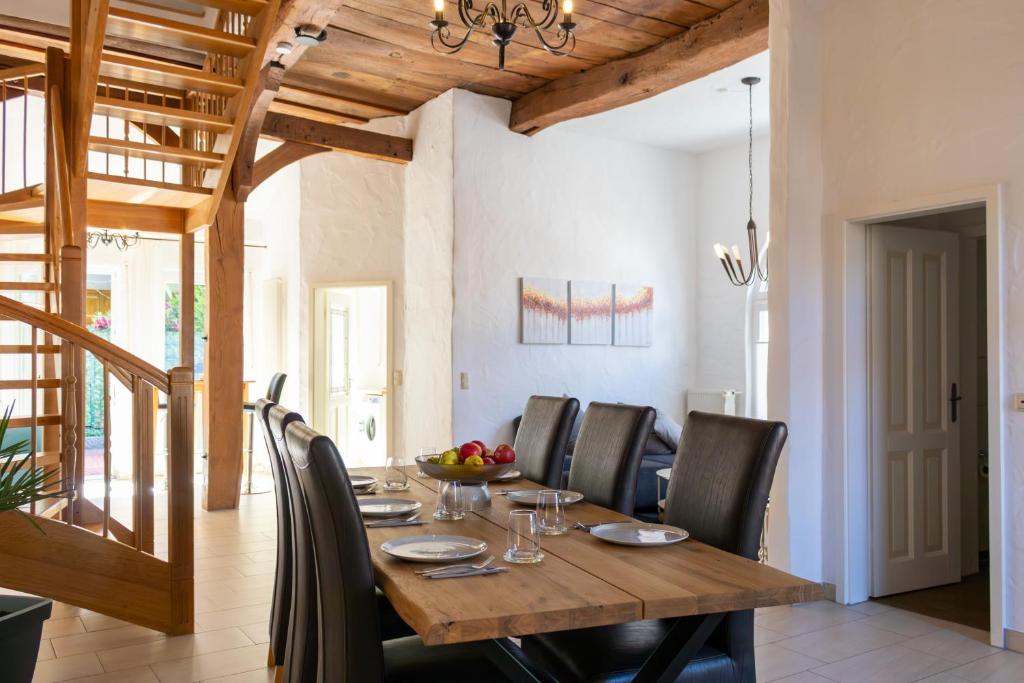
172	325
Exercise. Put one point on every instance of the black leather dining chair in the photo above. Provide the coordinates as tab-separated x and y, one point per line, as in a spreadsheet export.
274	390
609	448
351	649
718	492
282	596
542	436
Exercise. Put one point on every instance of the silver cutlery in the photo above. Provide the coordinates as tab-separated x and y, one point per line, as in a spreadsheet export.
390	525
588	527
487	571
450	567
405	521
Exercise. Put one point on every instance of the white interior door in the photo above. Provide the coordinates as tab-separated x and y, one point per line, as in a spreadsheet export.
915	459
331	382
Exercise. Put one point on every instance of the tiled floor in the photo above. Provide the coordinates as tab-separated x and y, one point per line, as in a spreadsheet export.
234	574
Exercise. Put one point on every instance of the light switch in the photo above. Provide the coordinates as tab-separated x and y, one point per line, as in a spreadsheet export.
464	381
1018	402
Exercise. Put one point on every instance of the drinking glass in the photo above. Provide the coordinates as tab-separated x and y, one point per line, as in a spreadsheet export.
550	513
395	476
450	504
425	452
523	538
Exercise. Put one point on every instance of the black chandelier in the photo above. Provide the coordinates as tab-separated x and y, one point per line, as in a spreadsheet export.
503	23
106	238
732	263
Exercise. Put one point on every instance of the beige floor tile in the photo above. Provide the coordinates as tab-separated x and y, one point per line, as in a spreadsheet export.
255	568
101	622
217	574
212	665
839	642
795	621
103	640
66	668
138	675
870	608
212	621
1003	667
62	627
63	611
45	651
763	636
177	647
901	622
803	677
893	664
952	646
774	662
257	676
944	677
258	632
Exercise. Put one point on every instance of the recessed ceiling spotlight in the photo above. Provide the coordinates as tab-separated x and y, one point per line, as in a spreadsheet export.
342	75
308	37
284	48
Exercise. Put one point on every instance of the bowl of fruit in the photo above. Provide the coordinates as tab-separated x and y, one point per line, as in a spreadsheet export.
473	461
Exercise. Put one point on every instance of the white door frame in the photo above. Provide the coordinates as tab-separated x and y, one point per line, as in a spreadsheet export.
847	315
389	399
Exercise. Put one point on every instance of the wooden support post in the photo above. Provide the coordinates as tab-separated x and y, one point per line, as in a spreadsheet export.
180	514
222	399
51	403
142	437
187	327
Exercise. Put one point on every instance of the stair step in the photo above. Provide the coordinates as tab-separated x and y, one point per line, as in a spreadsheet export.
24	198
165	116
143	150
168	75
176	33
13	228
41	421
27	348
9	384
26	286
51	507
249	7
24	257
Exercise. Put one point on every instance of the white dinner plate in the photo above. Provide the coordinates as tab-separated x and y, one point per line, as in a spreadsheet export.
511	475
433	548
530	497
639	534
387	507
360	481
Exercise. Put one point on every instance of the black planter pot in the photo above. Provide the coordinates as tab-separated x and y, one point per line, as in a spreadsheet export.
21	627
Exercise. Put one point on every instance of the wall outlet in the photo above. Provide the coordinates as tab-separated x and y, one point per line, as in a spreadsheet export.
464	381
1018	402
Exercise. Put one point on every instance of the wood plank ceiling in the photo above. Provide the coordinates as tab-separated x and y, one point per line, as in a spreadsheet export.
378	61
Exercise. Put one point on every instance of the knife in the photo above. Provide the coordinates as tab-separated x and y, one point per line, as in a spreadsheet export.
456	574
384	525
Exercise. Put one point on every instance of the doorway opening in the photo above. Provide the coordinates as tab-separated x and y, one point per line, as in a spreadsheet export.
351	382
927	379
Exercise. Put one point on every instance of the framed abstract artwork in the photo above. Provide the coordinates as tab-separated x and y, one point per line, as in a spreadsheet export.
544	306
634	315
590	312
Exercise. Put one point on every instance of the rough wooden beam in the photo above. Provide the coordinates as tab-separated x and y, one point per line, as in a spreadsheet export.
362	143
86	48
269	83
715	43
315	14
145	217
279	157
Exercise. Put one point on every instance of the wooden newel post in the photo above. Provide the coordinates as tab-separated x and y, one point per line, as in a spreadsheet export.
180	498
72	362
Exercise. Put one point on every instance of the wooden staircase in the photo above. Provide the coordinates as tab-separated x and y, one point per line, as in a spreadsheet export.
120	130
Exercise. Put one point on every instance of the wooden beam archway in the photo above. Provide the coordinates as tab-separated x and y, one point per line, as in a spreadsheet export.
281	156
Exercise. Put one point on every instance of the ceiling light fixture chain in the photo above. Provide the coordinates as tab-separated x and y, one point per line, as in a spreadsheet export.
731	262
503	24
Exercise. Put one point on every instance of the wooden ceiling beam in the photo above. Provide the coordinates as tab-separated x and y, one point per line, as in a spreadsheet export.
315	14
715	43
281	156
362	143
269	83
144	217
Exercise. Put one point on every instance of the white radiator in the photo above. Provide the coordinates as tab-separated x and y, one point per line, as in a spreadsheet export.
722	401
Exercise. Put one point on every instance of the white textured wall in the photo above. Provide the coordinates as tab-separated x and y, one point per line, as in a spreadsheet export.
916	98
722	186
566	206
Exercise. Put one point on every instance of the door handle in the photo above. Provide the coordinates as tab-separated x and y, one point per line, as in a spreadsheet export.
954	398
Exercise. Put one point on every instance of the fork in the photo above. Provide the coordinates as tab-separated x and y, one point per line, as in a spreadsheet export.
394	521
461	567
588	527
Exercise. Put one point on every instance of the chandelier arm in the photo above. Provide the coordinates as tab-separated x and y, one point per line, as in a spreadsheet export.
557	48
736	279
438	36
728	273
755	259
522	11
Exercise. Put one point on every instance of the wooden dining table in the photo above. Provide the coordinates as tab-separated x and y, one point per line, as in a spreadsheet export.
581	582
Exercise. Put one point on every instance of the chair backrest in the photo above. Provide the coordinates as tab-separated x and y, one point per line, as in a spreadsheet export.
721	478
542	437
608	451
280	608
349	632
276	387
301	649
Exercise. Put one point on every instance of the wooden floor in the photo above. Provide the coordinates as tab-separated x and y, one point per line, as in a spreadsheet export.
235	571
965	602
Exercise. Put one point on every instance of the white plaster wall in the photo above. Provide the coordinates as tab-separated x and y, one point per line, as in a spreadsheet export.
722	186
907	99
568	206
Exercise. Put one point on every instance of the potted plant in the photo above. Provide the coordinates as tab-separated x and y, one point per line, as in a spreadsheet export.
21	617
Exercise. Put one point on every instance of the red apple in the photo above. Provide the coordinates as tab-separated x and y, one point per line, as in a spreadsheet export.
504	454
468	450
481	444
488	461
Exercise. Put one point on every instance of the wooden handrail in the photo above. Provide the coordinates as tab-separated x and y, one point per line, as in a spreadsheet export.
59	157
83	338
30	70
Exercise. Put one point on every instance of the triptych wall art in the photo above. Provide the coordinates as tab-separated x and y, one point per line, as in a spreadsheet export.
586	312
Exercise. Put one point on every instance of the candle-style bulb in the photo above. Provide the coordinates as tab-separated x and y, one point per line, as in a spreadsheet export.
736	252
438	5
720	251
567	6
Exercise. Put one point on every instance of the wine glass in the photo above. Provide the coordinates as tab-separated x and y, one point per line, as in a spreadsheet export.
450	502
395	476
